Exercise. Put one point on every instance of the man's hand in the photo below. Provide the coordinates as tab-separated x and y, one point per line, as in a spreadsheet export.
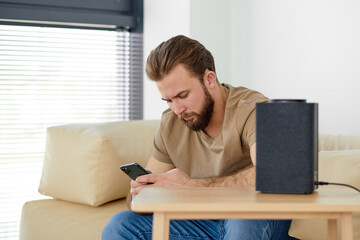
173	178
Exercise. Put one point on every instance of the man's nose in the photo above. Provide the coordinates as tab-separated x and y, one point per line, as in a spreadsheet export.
178	108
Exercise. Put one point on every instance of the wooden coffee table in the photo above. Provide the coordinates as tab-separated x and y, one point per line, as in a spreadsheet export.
332	203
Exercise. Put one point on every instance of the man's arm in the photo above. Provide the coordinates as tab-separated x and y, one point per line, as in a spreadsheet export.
244	179
174	177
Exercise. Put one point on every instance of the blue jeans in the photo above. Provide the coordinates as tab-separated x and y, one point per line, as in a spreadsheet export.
130	226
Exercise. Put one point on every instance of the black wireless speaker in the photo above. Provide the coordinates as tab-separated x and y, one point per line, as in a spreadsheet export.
286	146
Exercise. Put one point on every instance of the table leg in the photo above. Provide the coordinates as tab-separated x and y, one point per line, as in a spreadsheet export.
161	226
346	226
332	229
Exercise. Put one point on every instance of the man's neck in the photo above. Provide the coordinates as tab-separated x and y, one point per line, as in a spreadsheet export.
215	125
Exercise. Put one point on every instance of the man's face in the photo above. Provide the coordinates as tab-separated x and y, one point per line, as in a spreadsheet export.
187	97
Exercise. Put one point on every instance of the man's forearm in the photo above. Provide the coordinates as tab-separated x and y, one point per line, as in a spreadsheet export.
244	178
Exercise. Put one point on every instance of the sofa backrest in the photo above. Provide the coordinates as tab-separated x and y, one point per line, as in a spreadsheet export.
338	142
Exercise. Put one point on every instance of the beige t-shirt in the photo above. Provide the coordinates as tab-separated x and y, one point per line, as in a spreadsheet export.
201	156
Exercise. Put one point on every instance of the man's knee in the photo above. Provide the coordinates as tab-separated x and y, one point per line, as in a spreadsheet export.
245	229
125	224
256	229
113	227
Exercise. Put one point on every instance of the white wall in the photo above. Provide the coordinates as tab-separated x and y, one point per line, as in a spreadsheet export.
209	24
285	49
163	19
302	49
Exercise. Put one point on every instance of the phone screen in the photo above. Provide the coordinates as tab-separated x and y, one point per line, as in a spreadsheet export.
133	170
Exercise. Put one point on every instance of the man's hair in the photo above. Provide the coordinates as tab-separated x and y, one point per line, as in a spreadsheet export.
179	50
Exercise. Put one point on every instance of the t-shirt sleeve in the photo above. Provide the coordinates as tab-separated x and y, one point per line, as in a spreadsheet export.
249	132
159	150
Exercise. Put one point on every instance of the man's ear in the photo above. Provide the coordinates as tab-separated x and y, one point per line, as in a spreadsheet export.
210	78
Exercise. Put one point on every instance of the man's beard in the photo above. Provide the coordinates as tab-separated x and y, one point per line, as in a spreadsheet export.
202	119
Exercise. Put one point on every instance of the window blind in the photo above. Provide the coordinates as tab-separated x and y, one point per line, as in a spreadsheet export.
104	14
52	76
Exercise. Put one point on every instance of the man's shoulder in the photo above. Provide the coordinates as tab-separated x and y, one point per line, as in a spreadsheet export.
168	116
170	121
244	96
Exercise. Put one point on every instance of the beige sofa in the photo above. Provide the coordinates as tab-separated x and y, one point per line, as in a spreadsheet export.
81	173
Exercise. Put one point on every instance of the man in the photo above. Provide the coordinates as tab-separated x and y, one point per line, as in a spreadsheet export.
206	139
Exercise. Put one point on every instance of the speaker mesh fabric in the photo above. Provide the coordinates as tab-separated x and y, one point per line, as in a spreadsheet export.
286	146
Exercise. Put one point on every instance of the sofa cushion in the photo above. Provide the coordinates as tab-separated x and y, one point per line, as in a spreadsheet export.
82	160
338	167
53	219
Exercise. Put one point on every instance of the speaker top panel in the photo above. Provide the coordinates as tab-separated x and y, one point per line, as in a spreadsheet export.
287	100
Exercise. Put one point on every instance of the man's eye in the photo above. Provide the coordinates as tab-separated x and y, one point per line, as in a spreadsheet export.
183	96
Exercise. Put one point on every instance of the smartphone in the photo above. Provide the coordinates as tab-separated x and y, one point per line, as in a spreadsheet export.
134	170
